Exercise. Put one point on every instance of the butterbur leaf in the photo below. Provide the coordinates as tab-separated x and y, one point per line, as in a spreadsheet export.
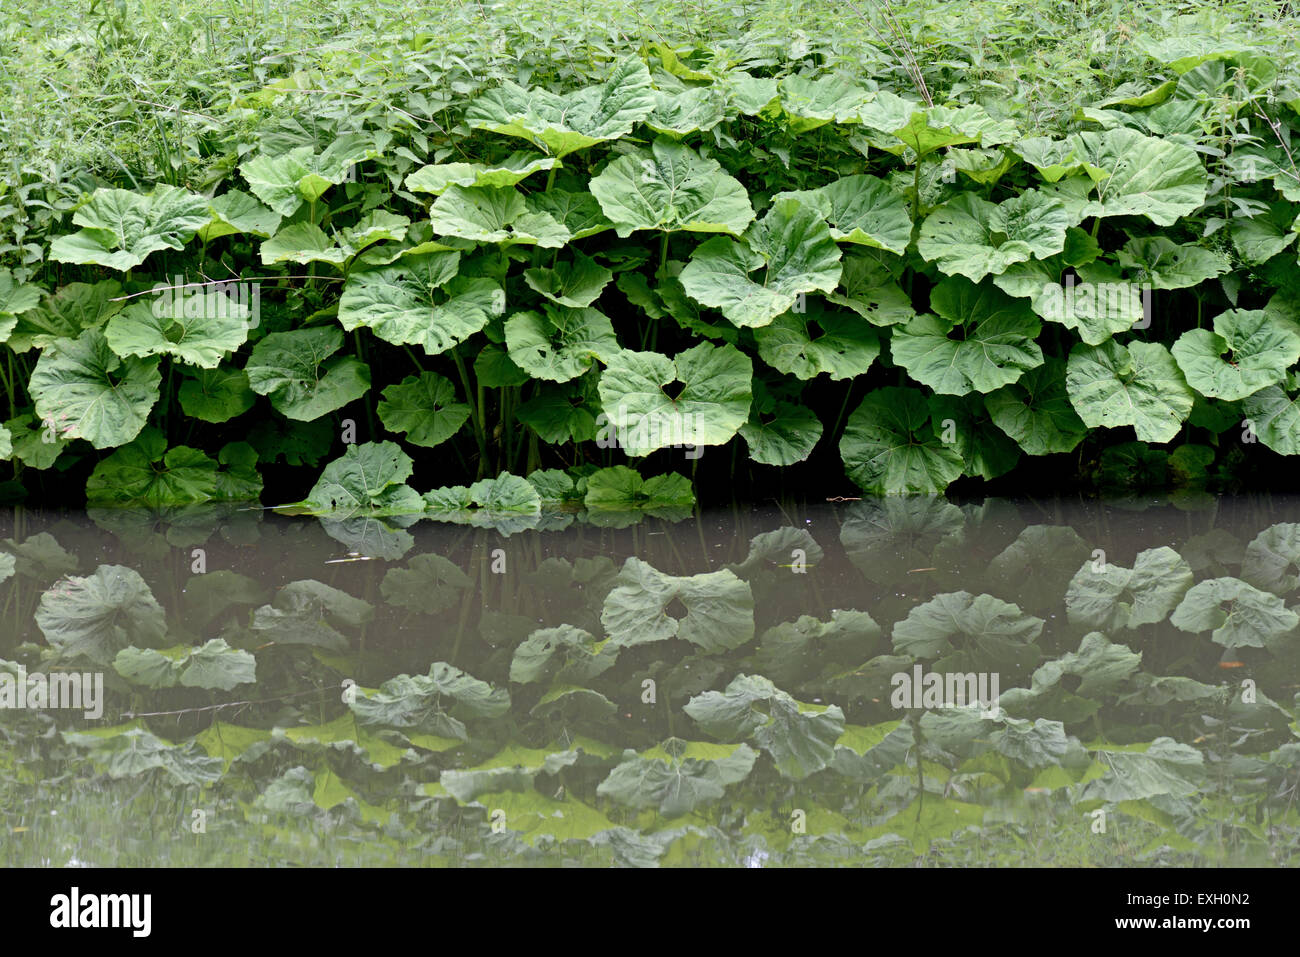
806	344
216	395
309	613
994	344
494	214
1247	351
147	472
1107	596
66	314
295	370
234	212
285	181
689	110
1163	767
368	476
509	171
671	187
1036	412
424	408
435	703
966	425
100	614
791	243
810	102
623	488
1164	264
711	406
888	447
978	628
974	238
121	228
1236	614
560	124
420	300
783	434
676	786
1137	384
1273	416
199	328
88	392
1272	559
861	210
576	283
212	666
929	130
719	608
429	584
565	654
561	342
1148	176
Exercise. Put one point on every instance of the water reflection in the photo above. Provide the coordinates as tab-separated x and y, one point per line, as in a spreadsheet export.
884	681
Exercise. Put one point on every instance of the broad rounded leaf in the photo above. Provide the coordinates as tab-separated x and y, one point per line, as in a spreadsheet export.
1140	384
86	391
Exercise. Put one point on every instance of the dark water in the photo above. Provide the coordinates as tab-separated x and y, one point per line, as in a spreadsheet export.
720	689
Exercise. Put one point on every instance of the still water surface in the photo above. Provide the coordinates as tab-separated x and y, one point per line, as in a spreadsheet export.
750	687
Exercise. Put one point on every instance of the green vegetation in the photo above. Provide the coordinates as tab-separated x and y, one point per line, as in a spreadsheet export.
929	244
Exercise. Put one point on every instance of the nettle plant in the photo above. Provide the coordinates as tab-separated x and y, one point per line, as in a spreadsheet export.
685	255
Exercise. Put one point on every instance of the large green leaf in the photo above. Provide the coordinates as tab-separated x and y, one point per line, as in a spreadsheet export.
719	608
888	447
565	655
861	210
216	395
198	328
1251	618
97	616
1164	264
806	344
86	391
1137	384
561	342
971	237
495	214
1248	350
437	703
121	228
562	123
675	786
1148	176
994	342
1107	596
424	408
792	245
420	301
969	631
709	409
429	584
66	314
309	613
670	187
1035	410
367	477
147	472
1274	416
577	282
507	172
295	370
286	180
212	666
1272	559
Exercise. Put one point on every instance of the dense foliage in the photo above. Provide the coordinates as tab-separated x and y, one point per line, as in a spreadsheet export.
453	269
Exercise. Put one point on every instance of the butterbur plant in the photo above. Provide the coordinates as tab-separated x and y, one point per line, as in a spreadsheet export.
891	282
